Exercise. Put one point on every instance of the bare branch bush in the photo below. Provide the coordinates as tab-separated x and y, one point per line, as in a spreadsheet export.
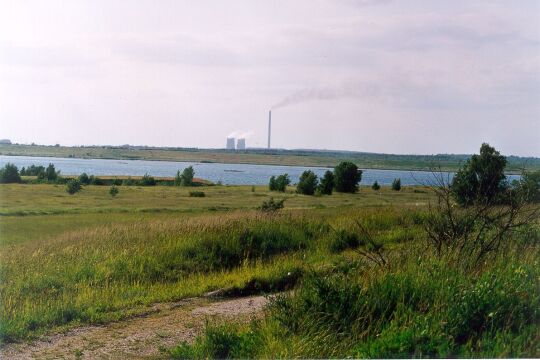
467	235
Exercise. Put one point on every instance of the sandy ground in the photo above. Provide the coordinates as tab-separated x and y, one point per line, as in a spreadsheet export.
145	337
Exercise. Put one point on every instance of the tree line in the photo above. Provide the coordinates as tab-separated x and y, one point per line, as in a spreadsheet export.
345	179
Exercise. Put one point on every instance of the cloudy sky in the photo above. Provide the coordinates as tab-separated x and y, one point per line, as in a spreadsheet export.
378	76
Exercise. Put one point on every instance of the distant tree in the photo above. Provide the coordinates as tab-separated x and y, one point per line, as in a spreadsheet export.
272	183
51	174
481	179
529	186
128	182
147	180
282	181
346	177
113	190
84	179
23	171
308	183
327	183
94	180
396	184
73	186
185	178
375	186
10	174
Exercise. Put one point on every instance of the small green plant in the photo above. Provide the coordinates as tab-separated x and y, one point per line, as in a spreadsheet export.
73	186
271	205
252	188
197	194
113	190
128	182
396	184
375	186
147	180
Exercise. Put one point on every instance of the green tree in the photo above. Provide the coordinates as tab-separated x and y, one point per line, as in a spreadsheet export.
272	183
84	179
282	181
346	177
10	174
308	183
396	184
481	179
147	180
187	176
529	186
73	186
375	186
327	183
51	174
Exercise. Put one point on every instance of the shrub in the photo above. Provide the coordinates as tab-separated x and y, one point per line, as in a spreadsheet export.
481	179
10	174
280	183
84	179
73	186
529	186
94	180
51	174
327	183
342	240
271	205
117	182
224	341
308	183
128	182
346	177
113	190
147	180
375	186
185	178
197	194
396	184
33	170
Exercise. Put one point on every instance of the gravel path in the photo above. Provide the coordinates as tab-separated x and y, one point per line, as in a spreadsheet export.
165	326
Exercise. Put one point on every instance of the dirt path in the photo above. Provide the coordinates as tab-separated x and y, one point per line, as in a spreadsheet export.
141	337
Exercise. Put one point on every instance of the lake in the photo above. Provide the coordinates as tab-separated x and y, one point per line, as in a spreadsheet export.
230	174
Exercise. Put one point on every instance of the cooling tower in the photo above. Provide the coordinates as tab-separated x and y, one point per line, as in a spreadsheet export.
241	144
230	143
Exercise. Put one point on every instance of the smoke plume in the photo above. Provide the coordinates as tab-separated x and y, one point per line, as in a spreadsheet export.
347	90
240	134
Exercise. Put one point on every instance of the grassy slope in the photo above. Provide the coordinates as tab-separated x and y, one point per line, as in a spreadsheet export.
285	157
90	258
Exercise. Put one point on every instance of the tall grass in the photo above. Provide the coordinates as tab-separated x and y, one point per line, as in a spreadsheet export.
416	306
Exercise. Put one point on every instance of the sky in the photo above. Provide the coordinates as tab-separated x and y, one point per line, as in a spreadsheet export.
410	77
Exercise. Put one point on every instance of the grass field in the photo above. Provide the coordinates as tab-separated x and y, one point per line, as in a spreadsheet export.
89	258
274	157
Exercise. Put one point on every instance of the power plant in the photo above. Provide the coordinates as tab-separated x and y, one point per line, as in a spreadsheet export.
241	144
230	143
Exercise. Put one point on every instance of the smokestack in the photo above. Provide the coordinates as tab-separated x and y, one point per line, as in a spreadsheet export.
269	127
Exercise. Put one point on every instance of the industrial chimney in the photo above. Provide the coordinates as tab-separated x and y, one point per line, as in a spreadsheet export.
269	127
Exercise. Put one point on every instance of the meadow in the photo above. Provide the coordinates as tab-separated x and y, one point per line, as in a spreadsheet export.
89	258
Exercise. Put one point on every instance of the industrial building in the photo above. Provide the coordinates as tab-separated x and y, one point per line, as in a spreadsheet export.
241	144
230	143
